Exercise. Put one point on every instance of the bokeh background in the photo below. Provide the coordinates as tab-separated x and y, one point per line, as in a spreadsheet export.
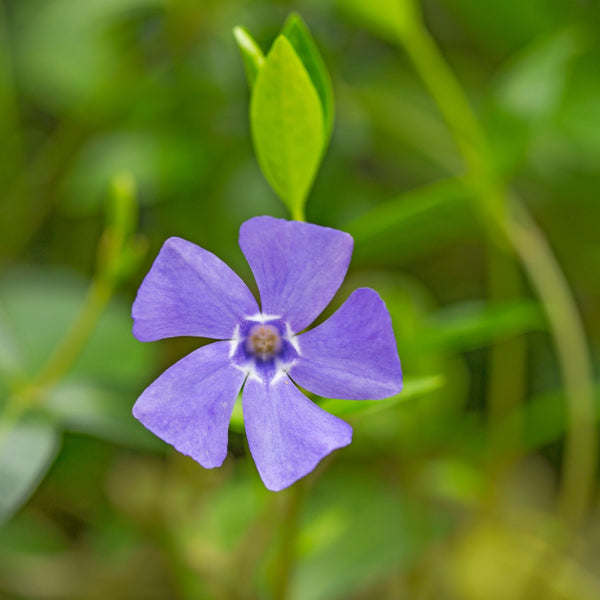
125	122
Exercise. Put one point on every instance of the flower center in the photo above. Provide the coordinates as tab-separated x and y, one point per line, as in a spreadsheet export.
263	341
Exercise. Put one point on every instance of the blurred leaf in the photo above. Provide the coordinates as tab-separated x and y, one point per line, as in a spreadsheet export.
579	121
386	18
408	119
470	325
30	533
229	512
159	163
85	408
10	358
75	64
297	33
413	388
40	306
532	84
414	223
287	125
346	546
545	418
452	479
502	27
542	419
27	448
252	55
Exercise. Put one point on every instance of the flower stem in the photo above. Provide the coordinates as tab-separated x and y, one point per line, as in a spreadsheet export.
506	214
292	505
292	499
298	212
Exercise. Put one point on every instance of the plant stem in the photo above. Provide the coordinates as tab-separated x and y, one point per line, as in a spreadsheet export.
505	214
292	504
76	337
504	393
32	393
298	213
570	343
293	499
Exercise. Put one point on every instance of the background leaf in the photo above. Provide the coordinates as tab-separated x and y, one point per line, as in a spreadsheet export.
27	448
104	413
39	306
414	223
413	387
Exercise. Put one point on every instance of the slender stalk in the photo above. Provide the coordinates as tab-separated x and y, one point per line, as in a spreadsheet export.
507	367
504	393
570	343
507	215
293	500
298	213
72	344
292	505
31	393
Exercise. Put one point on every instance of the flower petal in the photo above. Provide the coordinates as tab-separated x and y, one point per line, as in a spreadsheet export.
288	435
189	291
298	267
353	354
189	406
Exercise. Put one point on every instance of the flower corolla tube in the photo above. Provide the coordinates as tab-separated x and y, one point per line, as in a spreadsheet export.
298	268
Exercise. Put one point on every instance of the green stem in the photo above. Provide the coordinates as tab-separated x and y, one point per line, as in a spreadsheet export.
293	499
576	369
504	393
292	505
31	393
72	344
508	216
298	213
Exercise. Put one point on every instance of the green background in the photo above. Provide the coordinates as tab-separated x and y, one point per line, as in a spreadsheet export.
454	490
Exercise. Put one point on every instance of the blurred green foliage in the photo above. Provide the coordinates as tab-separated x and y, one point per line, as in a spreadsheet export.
441	495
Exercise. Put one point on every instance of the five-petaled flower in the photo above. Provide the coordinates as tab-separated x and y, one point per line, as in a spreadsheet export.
298	268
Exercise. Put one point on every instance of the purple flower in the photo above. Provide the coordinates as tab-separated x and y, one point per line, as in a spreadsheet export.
298	268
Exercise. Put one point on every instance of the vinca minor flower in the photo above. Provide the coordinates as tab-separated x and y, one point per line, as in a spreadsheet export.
298	268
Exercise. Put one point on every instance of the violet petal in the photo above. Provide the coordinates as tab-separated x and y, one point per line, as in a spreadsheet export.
287	433
189	406
352	355
298	267
189	291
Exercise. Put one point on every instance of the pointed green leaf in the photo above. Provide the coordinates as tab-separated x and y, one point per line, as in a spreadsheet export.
287	125
413	223
414	387
297	33
27	448
251	54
